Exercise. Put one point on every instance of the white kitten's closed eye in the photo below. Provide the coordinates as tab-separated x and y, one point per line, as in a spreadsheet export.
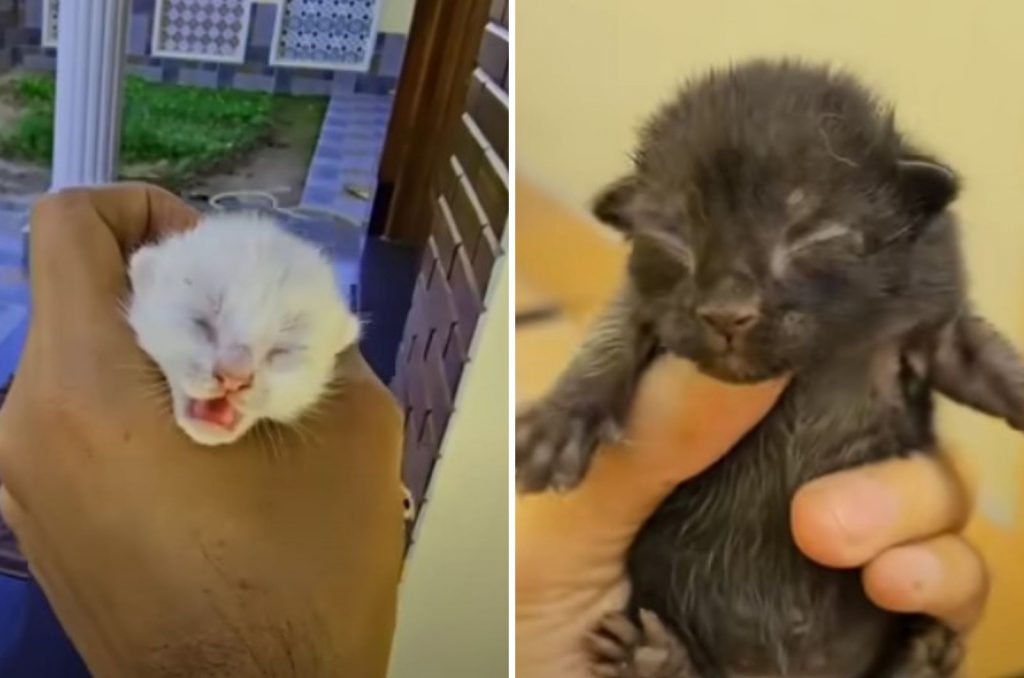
205	328
243	319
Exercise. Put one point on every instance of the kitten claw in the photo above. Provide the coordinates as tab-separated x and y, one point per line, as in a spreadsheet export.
937	652
554	446
619	648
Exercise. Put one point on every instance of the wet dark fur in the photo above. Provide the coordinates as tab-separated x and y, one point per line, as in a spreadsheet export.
868	322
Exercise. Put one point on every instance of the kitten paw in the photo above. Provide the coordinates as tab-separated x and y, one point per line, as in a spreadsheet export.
936	652
619	648
554	445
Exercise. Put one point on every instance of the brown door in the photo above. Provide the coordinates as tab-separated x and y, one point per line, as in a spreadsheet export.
444	185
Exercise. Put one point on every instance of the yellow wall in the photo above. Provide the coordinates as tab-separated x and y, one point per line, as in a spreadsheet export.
588	71
396	15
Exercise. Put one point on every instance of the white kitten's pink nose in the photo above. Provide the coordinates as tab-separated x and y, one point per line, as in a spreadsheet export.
233	368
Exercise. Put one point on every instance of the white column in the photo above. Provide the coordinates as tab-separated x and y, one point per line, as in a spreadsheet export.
91	37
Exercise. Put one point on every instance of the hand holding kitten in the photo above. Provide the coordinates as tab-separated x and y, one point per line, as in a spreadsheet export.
156	554
570	548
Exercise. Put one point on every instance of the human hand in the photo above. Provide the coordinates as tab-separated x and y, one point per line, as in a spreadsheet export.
899	520
570	549
163	557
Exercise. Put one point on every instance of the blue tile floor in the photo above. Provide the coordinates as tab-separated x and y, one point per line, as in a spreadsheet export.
14	296
32	643
343	173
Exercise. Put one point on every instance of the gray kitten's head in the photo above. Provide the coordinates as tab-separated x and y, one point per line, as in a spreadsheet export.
776	216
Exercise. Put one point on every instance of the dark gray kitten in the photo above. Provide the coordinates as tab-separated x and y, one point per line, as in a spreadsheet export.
779	224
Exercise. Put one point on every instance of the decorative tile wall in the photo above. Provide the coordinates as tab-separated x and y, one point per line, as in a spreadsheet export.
213	30
335	34
191	31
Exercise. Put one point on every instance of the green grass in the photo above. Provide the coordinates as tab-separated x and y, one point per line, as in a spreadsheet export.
187	130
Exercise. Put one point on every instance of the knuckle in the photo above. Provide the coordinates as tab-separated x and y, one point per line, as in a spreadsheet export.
50	214
64	200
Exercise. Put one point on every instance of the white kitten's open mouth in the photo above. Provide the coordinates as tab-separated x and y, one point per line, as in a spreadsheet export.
219	412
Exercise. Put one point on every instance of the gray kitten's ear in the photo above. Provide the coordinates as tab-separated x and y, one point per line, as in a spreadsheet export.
612	205
973	364
141	266
927	187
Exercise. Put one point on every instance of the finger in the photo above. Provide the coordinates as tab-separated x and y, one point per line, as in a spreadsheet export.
681	422
943	577
135	212
77	247
847	518
84	235
686	420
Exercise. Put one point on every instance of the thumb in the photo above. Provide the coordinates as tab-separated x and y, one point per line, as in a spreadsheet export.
682	420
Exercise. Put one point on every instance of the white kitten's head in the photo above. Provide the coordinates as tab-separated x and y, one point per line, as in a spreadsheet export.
244	320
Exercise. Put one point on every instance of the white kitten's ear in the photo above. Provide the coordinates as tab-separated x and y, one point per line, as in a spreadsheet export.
351	329
142	267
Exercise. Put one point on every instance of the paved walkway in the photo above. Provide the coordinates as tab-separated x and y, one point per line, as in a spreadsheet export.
342	176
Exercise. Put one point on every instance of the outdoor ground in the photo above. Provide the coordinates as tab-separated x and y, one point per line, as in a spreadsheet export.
192	140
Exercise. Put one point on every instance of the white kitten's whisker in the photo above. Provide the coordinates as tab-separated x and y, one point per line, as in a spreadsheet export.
274	437
160	400
282	440
302	430
259	433
266	444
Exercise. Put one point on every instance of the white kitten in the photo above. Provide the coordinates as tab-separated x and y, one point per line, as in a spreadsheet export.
244	320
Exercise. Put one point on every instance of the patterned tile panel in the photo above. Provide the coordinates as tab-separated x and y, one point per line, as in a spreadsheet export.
177	30
50	9
211	30
336	34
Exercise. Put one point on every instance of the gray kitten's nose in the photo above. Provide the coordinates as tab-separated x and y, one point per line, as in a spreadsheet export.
729	320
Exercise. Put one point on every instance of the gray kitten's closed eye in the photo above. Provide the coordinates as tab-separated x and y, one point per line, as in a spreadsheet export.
801	239
660	260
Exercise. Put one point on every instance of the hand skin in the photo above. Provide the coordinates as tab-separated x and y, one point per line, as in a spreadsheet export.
898	519
164	558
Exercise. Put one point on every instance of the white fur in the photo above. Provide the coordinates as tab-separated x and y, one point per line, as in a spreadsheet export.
258	287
